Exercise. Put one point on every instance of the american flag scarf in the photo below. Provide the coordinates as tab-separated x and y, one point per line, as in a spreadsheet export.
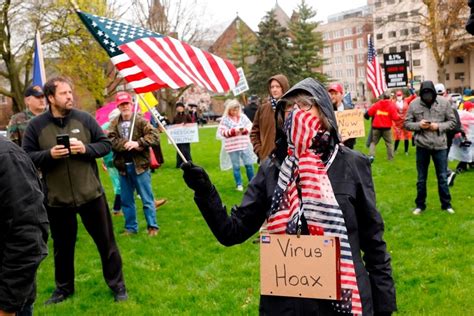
304	188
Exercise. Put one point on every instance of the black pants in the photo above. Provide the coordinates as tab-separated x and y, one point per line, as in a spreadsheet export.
96	218
186	150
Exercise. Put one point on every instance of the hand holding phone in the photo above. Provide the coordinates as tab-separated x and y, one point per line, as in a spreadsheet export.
61	139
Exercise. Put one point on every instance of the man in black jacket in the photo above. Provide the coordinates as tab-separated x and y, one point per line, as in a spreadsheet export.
23	229
73	186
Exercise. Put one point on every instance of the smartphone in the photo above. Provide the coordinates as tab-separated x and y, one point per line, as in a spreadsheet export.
63	139
428	122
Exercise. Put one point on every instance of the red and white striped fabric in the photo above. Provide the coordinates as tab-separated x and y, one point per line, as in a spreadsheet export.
375	77
304	168
149	61
227	131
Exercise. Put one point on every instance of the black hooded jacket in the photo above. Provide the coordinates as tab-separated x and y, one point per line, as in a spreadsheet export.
351	180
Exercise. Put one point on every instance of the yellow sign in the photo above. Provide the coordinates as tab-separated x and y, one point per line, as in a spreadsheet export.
350	123
307	266
149	99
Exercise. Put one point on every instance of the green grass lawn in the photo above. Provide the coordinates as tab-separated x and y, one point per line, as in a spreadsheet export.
185	271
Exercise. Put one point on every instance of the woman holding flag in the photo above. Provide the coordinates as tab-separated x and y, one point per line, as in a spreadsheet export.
310	186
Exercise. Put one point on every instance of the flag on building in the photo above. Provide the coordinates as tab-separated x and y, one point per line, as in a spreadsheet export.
149	61
39	75
375	77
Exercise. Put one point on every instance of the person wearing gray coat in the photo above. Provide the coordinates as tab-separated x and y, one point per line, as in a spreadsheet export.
431	117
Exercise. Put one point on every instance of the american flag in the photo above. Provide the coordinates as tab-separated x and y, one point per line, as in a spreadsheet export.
375	77
149	61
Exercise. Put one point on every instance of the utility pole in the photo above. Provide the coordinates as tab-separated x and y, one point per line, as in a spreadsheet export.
411	69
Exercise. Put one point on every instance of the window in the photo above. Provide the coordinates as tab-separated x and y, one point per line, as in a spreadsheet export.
327	62
392	18
360	43
336	34
417	78
459	75
403	15
350	72
339	73
415	46
390	1
336	47
349	59
392	34
392	49
379	51
325	36
416	62
415	30
361	72
413	12
404	32
404	48
459	60
359	30
378	20
329	73
327	50
361	58
379	36
348	32
348	45
447	76
338	60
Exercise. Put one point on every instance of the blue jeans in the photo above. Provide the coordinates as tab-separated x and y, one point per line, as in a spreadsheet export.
235	157
440	161
142	183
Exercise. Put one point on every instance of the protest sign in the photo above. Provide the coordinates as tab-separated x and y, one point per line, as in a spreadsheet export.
183	133
305	266
242	85
350	123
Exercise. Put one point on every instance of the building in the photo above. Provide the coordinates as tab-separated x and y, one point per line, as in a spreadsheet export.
345	52
397	29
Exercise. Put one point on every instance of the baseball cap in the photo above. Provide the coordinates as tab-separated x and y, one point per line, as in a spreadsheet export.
399	93
468	105
123	97
440	89
336	87
36	91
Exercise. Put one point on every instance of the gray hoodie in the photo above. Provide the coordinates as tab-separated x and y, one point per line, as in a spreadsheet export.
439	112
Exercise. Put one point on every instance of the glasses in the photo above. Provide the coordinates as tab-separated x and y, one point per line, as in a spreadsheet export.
303	106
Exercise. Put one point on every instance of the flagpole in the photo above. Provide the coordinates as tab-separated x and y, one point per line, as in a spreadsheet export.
135	109
157	117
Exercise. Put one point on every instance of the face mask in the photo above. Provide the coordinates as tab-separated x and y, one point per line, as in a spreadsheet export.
427	97
399	98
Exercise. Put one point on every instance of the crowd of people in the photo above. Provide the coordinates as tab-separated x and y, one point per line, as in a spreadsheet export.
293	136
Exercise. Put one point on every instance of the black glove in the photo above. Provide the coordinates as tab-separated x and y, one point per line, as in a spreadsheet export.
197	179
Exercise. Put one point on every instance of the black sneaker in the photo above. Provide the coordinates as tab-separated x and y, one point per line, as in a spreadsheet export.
57	297
121	295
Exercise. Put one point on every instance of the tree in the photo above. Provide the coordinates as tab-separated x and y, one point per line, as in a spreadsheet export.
63	36
306	44
271	52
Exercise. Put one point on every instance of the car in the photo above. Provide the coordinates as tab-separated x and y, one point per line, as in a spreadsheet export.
3	133
211	116
455	98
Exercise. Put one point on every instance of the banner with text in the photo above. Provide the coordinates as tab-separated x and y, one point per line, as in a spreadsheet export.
395	66
183	133
350	123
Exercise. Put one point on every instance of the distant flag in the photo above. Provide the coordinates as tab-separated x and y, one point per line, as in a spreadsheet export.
150	99
39	76
375	78
149	61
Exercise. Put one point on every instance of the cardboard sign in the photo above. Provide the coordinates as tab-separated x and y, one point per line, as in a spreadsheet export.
307	266
183	133
350	123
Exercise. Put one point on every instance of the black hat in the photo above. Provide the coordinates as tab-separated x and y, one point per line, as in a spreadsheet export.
34	91
179	103
253	98
192	105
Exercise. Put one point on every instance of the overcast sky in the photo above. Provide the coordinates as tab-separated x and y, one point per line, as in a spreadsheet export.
252	11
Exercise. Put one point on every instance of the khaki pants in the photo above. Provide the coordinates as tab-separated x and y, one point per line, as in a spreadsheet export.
386	134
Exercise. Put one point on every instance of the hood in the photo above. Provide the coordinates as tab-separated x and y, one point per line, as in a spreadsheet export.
316	90
282	80
427	85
